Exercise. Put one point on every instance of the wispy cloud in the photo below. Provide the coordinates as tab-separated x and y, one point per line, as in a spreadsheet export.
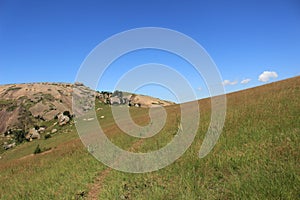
228	82
267	75
245	81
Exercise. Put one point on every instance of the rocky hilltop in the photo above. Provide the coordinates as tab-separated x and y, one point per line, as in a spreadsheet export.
22	106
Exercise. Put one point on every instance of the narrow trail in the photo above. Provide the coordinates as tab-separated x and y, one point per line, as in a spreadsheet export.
31	155
56	148
96	187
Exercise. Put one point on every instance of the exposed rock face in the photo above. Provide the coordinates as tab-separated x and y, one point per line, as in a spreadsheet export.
78	84
117	98
23	105
146	101
83	99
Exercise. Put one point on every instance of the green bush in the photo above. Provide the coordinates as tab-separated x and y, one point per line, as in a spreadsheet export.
19	135
47	136
37	149
13	88
11	108
67	113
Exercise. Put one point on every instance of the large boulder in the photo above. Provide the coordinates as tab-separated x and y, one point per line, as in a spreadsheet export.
78	84
115	100
33	134
41	129
54	131
62	119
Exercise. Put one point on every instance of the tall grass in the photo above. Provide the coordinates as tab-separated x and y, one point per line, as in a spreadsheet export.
256	157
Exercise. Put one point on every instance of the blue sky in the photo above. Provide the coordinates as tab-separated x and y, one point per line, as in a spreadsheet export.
46	41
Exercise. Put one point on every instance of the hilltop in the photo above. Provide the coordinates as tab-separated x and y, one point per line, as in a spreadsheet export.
22	106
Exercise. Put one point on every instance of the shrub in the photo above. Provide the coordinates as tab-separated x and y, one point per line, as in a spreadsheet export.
37	149
67	113
19	135
11	108
47	136
13	88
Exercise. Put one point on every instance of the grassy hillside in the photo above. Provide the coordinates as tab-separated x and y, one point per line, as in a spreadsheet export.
256	157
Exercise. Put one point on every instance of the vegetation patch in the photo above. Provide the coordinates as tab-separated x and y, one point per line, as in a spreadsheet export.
12	107
47	136
37	149
48	97
13	89
6	103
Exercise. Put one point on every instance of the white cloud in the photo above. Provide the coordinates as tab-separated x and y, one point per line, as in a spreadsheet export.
228	82
199	88
245	81
267	75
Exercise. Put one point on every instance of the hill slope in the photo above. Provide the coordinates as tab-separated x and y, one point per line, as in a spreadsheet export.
256	157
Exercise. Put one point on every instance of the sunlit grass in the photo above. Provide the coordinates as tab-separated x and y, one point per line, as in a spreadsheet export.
256	157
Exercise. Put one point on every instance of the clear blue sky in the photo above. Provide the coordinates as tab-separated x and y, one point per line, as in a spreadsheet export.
48	40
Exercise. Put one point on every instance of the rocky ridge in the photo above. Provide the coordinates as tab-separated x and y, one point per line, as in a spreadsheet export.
22	106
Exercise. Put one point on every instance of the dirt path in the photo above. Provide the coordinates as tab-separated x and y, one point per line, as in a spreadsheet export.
31	155
96	187
58	147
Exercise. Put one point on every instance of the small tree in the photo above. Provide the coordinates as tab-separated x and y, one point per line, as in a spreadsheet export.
47	136
19	135
37	149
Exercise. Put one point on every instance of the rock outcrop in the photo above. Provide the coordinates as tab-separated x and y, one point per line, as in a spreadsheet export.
24	105
62	119
32	134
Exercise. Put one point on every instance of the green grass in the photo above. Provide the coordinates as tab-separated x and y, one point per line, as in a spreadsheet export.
62	136
59	175
256	157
